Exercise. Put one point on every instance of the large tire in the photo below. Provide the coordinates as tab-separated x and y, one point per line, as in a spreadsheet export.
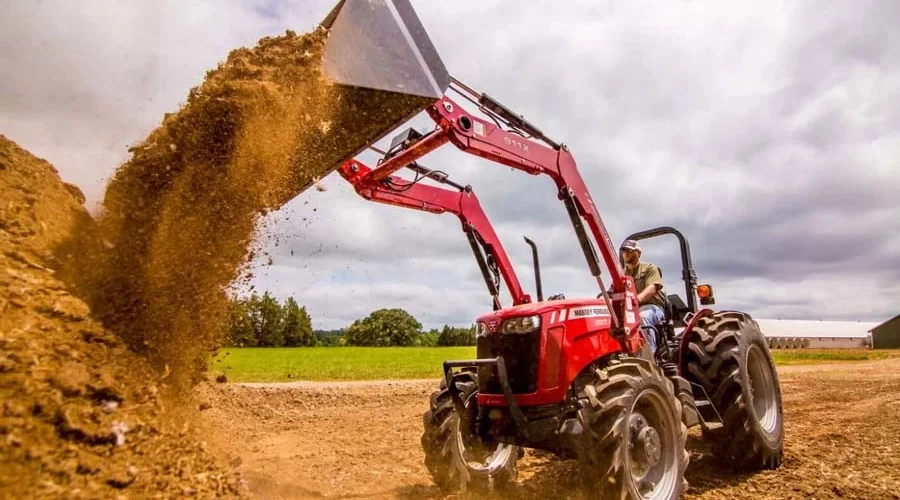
727	354
445	445
635	437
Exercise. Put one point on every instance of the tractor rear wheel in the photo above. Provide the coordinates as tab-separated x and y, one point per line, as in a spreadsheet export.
635	437
456	457
727	354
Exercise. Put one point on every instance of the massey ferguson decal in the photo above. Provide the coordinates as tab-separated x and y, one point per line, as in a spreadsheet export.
588	312
579	313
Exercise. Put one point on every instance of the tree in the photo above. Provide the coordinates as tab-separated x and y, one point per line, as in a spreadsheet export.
269	322
453	336
330	337
240	328
264	322
297	330
384	327
429	338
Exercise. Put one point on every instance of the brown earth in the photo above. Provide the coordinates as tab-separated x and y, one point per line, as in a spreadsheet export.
334	440
97	411
81	414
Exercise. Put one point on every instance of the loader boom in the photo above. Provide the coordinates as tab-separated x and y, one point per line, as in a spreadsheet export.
462	202
381	45
524	147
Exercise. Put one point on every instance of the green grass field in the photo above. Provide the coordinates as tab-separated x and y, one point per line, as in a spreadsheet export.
813	356
334	363
375	363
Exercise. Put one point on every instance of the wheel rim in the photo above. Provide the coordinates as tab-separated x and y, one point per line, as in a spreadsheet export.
652	451
762	389
479	457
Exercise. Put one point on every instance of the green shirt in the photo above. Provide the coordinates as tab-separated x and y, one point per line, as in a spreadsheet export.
648	274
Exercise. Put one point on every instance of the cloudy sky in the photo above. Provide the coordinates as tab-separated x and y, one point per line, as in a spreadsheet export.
768	132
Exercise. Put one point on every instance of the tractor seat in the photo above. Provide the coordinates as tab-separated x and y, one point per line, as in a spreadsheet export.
669	311
675	309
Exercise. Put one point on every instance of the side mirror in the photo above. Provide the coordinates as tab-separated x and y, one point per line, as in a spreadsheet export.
705	292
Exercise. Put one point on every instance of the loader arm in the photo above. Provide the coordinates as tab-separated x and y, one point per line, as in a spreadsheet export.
462	202
524	147
381	46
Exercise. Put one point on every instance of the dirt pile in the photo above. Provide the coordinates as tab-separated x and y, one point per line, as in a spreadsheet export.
180	214
81	414
38	211
83	411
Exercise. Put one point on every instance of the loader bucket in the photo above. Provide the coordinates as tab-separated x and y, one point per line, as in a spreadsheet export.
382	45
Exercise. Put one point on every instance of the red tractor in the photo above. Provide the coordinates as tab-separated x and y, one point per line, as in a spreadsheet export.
570	376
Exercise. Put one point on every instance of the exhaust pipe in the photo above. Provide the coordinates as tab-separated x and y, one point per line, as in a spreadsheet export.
537	269
382	45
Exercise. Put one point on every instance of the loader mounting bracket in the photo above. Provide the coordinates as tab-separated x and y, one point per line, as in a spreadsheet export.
515	411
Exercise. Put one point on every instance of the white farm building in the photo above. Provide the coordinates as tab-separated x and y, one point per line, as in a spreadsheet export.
816	334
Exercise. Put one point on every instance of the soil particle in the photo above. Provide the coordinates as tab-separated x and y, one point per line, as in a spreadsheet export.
71	378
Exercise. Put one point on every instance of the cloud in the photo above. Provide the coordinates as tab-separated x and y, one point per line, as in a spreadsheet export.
766	132
82	81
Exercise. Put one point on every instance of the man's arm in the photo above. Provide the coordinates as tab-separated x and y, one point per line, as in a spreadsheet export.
653	283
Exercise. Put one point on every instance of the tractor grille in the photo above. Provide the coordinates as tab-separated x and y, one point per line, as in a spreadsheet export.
520	352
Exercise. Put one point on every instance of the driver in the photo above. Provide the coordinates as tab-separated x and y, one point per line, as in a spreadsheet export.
648	282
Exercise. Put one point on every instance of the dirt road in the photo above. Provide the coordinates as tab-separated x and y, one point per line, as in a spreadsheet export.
361	440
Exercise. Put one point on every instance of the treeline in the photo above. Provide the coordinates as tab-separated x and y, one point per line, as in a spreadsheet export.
266	322
263	321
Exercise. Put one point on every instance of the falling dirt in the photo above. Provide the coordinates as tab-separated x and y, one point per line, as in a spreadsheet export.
87	410
180	215
338	440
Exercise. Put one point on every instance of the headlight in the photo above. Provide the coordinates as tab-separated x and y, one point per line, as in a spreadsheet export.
480	329
524	324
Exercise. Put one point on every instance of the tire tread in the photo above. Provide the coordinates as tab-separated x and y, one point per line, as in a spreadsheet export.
723	338
606	421
438	442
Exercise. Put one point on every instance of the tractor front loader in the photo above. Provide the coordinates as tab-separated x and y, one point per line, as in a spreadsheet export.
570	376
460	201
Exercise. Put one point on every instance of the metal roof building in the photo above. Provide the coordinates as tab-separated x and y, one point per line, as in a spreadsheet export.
887	334
793	334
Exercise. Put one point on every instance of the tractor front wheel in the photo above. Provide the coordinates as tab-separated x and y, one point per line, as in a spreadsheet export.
728	355
635	437
456	457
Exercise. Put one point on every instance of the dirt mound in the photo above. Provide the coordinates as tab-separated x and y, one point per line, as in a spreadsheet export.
180	214
38	211
83	410
80	412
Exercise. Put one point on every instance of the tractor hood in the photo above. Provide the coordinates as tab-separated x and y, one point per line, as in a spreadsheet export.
551	312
